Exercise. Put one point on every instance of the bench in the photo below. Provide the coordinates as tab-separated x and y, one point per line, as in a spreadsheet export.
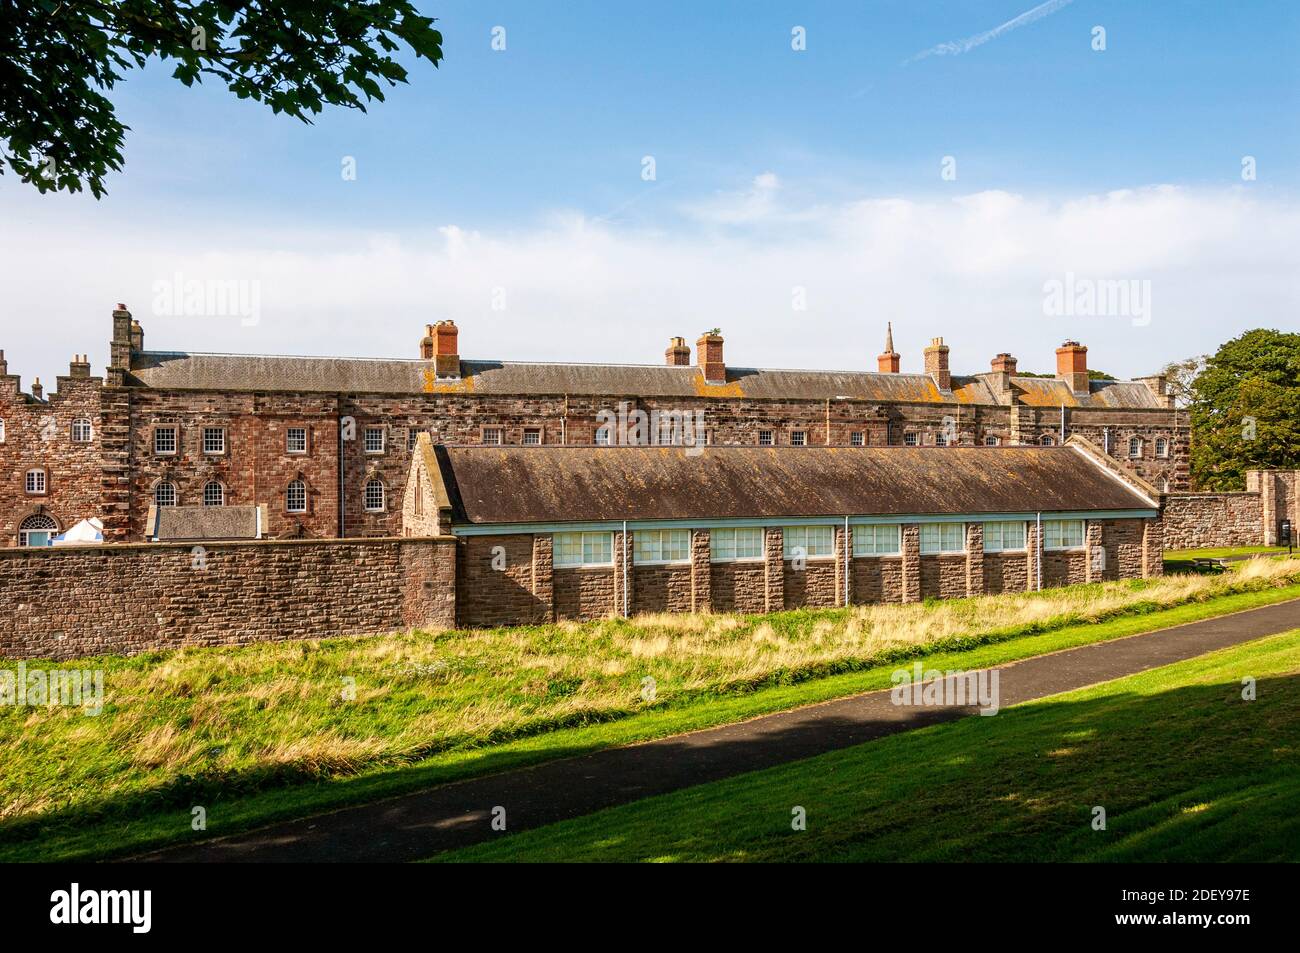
1209	564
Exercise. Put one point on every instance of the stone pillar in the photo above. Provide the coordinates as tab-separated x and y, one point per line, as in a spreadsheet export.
773	569
843	559
1268	508
1153	549
974	559
619	574
701	572
1093	571
543	584
911	568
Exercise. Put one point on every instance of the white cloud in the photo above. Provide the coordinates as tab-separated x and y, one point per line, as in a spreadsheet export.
956	47
970	268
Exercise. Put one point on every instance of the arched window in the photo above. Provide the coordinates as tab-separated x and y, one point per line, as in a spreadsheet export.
164	494
1047	440
1162	447
214	494
990	440
295	497
35	481
82	431
37	530
1135	446
374	495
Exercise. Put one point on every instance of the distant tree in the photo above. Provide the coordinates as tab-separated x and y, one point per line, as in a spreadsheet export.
1093	375
57	59
1181	375
1245	409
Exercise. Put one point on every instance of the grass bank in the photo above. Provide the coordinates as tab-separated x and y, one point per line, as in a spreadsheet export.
263	733
1184	767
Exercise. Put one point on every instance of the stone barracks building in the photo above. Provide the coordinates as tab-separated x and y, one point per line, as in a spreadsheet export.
323	446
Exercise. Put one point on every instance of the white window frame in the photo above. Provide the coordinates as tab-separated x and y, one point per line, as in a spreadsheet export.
383	439
24	532
877	539
858	438
220	489
936	539
288	440
910	439
1162	447
499	433
602	435
940	439
301	486
89	434
725	544
990	440
40	486
175	431
175	493
221	434
766	438
383	496
532	432
802	537
798	438
650	545
995	536
587	546
1047	440
1056	528
2	430
1135	444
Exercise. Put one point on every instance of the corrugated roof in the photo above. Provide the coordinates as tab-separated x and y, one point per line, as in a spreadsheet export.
574	484
233	372
205	523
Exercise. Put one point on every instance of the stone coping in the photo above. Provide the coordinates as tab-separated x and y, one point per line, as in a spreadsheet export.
110	548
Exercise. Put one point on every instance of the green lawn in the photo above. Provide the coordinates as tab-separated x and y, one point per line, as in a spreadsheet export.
1185	768
263	733
1180	560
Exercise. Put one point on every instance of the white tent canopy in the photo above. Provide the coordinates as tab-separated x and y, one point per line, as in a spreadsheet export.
87	531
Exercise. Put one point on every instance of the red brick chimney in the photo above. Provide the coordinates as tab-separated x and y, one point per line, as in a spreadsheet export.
887	362
936	364
445	349
1003	368
708	355
1072	366
678	353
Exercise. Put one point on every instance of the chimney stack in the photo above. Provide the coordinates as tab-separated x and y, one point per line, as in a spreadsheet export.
426	344
4	365
119	349
1072	366
37	390
1003	367
446	350
936	364
887	362
678	353
79	368
137	336
708	355
1158	384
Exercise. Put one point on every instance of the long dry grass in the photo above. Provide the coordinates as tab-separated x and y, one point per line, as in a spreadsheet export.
176	721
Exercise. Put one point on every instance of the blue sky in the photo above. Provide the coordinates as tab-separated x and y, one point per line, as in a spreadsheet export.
500	165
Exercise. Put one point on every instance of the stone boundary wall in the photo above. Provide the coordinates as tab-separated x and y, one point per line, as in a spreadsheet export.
1221	520
65	602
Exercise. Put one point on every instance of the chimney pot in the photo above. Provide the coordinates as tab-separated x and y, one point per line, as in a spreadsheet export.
37	390
678	353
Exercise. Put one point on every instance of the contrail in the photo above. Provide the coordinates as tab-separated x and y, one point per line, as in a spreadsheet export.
953	47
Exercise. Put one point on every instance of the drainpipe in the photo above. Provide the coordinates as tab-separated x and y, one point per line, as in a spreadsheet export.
342	484
1038	546
625	569
1062	423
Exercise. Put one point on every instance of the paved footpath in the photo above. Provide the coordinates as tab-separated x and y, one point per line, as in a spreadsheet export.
418	825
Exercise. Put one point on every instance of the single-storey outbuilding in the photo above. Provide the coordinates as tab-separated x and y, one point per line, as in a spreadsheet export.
584	532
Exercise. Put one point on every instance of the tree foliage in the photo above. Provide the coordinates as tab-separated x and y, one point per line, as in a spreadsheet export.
58	129
1245	410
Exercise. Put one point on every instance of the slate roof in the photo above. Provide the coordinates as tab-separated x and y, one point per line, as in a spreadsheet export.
493	485
204	523
332	375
